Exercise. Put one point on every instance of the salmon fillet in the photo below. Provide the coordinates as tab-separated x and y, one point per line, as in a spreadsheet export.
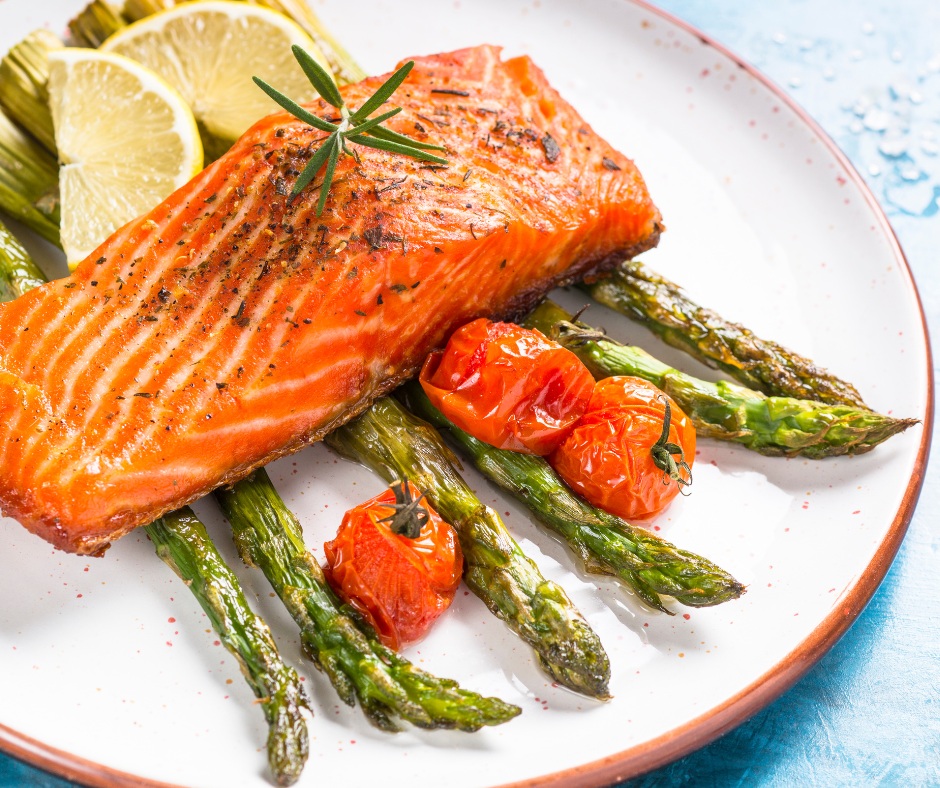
227	327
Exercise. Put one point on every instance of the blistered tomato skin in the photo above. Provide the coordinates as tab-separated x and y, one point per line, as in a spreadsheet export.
607	457
400	585
508	386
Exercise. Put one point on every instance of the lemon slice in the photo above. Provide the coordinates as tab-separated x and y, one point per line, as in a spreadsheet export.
126	141
210	50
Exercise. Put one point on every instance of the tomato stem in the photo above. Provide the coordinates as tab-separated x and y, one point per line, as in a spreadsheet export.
570	333
662	452
409	516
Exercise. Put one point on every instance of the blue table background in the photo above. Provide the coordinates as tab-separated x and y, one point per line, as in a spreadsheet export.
869	713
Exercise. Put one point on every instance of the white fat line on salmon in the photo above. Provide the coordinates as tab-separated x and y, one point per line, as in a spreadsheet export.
282	388
274	334
50	357
129	312
23	337
101	398
32	343
188	355
29	399
274	418
233	365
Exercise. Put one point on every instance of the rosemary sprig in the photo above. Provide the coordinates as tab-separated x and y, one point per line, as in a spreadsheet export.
355	125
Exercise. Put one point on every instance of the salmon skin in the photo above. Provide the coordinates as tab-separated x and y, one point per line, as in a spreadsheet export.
230	326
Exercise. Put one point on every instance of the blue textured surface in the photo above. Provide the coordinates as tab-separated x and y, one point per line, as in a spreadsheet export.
869	712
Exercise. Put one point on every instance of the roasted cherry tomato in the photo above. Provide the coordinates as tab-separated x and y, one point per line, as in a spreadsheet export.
397	562
617	456
508	386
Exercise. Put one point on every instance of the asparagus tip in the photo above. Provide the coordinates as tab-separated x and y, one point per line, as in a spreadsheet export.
288	740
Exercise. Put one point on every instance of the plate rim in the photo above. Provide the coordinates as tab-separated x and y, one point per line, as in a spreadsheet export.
705	728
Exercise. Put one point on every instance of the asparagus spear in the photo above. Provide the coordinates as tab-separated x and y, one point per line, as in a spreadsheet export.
764	366
183	544
24	77
396	445
181	541
345	69
387	685
776	426
608	545
98	20
18	272
29	181
135	10
29	172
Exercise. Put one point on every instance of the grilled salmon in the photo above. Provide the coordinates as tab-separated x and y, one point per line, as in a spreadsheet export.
230	326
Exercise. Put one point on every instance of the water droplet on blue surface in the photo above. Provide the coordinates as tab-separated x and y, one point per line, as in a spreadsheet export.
893	147
911	173
876	119
861	106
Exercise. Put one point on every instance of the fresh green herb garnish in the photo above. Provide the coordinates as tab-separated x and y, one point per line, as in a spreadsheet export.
355	125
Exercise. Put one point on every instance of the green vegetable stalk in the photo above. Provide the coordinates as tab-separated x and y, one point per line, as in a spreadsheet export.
24	77
181	541
18	272
98	20
759	364
387	685
345	69
396	445
29	172
608	545
29	181
135	10
777	426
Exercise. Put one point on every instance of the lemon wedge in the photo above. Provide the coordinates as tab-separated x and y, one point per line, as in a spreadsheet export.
126	141
210	50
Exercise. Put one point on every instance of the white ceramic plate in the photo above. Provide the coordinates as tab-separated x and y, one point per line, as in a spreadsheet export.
110	668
